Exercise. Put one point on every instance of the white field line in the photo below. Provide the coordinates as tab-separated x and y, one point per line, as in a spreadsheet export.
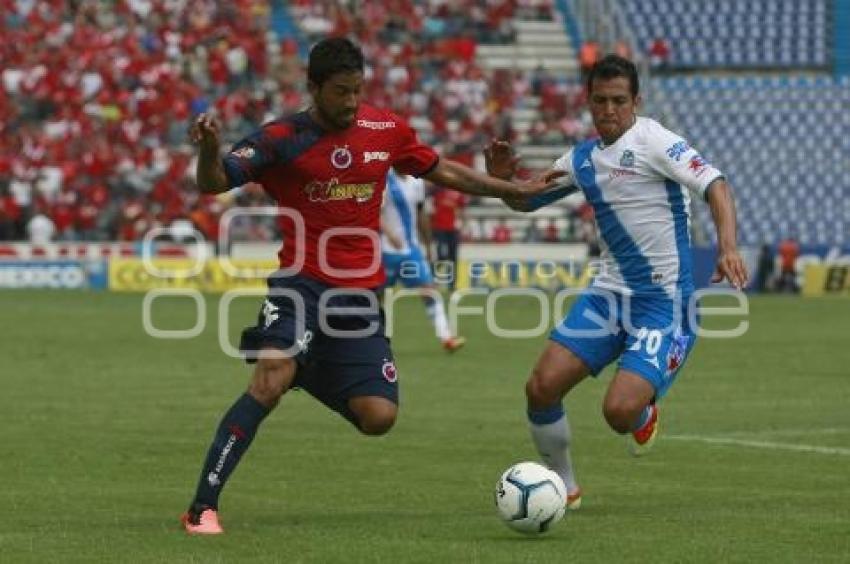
727	441
790	432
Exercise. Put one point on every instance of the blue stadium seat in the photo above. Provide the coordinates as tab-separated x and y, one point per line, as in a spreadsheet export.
752	34
784	149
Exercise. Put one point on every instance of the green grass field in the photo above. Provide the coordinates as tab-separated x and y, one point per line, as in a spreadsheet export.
105	429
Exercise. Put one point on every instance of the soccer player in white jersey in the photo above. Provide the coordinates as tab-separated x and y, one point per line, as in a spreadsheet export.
403	222
639	177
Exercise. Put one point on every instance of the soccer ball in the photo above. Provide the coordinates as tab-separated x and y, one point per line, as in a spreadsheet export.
530	498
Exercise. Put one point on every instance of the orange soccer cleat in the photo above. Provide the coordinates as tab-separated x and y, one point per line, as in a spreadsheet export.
204	522
574	499
642	439
453	344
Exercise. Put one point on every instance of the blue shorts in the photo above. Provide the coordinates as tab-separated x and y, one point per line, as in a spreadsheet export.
651	336
411	269
332	367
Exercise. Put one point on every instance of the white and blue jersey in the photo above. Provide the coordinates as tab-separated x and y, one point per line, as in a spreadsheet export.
407	264
639	188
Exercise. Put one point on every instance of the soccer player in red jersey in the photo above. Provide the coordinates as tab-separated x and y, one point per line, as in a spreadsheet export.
321	328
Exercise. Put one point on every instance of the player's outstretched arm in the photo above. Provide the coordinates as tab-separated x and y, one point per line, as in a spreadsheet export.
501	162
462	178
209	174
730	265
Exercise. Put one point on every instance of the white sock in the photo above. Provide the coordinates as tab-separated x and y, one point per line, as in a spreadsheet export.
437	315
550	431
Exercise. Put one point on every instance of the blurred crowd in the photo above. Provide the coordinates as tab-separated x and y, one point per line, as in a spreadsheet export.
96	98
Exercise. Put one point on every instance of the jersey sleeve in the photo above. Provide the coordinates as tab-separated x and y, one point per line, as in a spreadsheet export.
674	158
565	164
251	156
563	186
412	157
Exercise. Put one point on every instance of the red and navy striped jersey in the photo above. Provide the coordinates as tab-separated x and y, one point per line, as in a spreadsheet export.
335	182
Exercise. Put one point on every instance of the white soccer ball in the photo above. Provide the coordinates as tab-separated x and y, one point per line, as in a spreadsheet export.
530	498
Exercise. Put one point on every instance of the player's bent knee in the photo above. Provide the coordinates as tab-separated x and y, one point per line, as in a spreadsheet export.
377	418
621	413
543	388
272	377
376	424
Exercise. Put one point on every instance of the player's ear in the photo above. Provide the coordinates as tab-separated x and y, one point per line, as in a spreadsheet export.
638	101
313	88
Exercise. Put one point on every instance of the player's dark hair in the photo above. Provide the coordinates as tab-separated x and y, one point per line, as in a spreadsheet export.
613	66
333	55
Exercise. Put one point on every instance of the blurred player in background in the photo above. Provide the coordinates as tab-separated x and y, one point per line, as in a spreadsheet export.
404	227
329	165
447	206
635	310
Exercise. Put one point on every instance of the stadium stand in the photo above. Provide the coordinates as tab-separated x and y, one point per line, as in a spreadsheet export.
783	143
95	103
96	98
756	34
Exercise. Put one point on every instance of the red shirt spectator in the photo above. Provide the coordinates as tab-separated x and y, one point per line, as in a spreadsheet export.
788	250
63	217
588	54
659	52
502	233
551	233
447	205
9	208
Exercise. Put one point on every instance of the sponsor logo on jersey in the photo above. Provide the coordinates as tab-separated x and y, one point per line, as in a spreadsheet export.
332	190
618	172
389	371
697	165
375	124
244	153
341	157
586	163
628	159
370	156
676	150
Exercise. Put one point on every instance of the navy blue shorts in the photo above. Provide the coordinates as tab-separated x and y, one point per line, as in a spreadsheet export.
336	335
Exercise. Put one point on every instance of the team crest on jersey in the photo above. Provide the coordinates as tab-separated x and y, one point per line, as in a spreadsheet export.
628	159
389	371
341	157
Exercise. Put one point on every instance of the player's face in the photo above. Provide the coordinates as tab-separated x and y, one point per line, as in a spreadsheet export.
612	107
337	99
